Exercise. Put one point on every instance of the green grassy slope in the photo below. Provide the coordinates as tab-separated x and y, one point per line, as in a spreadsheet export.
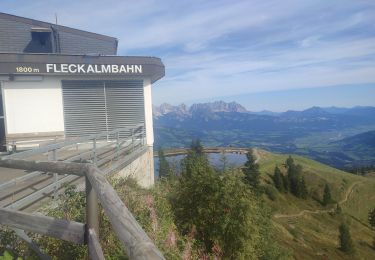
314	234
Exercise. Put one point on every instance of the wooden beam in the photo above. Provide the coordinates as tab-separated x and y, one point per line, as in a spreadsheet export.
133	237
21	234
92	208
95	250
59	228
57	167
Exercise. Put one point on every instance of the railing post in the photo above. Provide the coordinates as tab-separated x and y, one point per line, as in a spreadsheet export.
52	156
118	145
132	132
143	135
13	147
92	213
94	150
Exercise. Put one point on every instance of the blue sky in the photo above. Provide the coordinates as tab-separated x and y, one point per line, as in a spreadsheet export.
275	55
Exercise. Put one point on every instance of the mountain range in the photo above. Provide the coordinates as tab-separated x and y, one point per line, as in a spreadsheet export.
234	107
315	132
183	110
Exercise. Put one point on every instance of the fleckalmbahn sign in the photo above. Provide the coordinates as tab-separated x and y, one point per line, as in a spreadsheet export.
80	68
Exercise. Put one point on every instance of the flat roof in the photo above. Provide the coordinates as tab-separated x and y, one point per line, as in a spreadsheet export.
81	65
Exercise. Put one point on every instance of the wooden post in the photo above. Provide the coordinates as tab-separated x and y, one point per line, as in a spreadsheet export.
92	213
20	233
137	243
95	250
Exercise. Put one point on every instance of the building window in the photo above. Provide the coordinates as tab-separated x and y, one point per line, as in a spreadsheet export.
41	41
42	37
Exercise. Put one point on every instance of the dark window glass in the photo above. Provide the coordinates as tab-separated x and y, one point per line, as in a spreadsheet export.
40	43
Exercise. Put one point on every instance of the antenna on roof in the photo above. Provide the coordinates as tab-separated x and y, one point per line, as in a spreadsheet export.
56	18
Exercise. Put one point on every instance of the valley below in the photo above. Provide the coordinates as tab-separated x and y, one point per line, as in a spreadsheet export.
325	142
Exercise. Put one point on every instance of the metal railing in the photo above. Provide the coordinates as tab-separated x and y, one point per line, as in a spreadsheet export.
100	149
135	240
130	133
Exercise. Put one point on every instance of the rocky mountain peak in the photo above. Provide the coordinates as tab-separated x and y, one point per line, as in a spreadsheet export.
166	108
212	107
218	106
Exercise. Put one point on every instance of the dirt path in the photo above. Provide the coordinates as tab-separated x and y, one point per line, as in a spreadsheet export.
320	211
349	192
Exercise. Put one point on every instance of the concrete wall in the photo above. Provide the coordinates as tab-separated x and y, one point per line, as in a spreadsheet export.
33	106
141	169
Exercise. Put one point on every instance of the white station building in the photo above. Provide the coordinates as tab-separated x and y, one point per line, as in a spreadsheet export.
49	96
60	83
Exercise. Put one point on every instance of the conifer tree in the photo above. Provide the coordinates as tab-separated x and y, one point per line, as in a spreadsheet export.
285	182
294	182
278	179
346	243
293	178
196	146
289	162
303	188
327	198
251	170
224	161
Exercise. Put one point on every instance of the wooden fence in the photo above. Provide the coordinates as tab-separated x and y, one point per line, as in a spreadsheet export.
135	240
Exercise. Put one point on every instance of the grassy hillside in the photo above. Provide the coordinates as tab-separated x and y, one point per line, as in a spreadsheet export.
310	229
304	227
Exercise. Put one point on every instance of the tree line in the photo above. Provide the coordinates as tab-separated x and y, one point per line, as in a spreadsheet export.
361	170
293	181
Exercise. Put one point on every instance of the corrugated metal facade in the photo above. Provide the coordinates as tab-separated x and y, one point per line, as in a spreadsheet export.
92	106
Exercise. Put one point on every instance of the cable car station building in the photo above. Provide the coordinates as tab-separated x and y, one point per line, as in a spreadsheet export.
59	83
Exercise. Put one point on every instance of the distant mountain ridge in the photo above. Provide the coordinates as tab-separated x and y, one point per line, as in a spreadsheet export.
312	132
211	107
221	106
366	138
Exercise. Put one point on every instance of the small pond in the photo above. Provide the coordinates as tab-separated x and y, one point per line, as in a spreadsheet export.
215	159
